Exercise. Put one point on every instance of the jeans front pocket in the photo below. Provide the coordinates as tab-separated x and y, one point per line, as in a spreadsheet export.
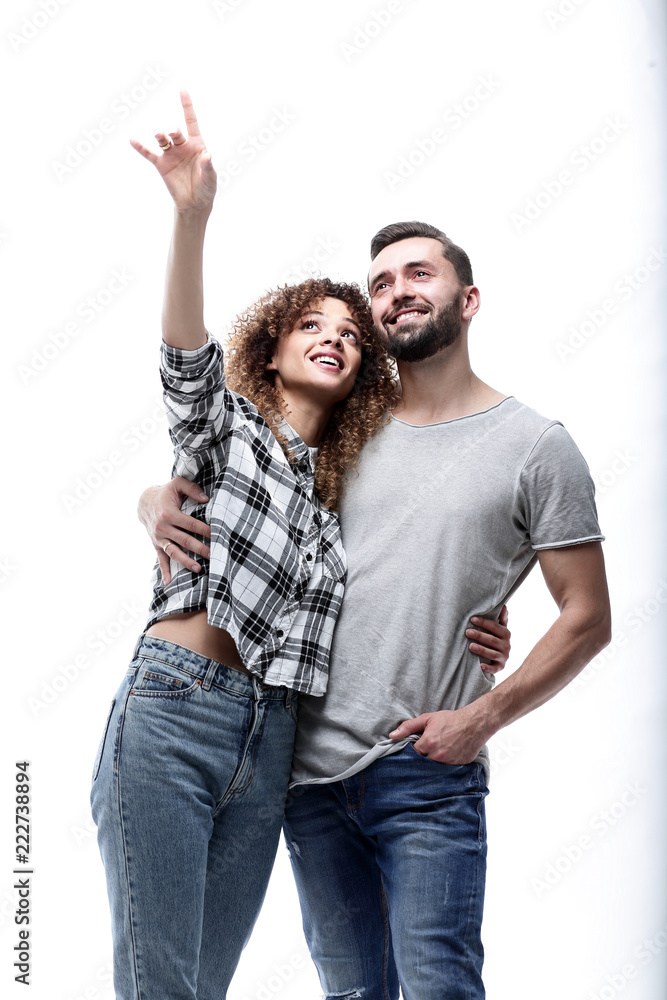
160	679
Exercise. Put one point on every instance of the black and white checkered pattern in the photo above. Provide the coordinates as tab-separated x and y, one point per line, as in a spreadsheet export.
277	569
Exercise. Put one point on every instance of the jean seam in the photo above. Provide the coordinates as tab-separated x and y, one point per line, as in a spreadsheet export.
387	938
481	833
135	968
167	663
119	733
176	682
105	735
472	908
141	693
255	730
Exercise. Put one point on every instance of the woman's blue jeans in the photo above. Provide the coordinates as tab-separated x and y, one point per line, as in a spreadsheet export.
390	865
188	794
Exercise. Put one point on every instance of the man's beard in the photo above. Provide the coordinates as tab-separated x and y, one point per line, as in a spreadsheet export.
440	330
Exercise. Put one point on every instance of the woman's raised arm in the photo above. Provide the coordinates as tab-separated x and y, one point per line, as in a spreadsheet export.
186	169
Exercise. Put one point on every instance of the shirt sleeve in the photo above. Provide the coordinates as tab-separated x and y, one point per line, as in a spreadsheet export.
200	408
557	493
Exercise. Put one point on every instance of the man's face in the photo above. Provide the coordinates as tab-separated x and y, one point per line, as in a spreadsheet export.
416	299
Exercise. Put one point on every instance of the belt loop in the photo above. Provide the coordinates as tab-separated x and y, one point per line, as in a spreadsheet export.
136	648
210	674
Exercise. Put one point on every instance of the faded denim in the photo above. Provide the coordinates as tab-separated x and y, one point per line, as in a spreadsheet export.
188	795
390	865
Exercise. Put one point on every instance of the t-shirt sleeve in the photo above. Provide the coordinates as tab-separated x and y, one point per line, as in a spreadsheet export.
557	493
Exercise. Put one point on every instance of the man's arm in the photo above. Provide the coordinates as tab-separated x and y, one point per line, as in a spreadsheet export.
576	578
168	527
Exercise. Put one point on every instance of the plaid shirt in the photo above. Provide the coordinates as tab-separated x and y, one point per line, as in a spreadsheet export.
277	568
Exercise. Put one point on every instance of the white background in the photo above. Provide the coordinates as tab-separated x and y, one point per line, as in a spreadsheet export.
360	96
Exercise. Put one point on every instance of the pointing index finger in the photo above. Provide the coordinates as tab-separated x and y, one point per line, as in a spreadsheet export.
189	112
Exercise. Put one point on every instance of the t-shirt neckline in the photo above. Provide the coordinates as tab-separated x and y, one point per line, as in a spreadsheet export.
466	416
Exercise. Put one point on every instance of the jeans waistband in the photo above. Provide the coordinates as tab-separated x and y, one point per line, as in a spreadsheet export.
211	672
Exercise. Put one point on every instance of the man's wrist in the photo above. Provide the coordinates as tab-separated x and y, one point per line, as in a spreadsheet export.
483	717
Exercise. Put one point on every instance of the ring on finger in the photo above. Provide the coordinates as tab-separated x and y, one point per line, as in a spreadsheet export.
165	546
165	145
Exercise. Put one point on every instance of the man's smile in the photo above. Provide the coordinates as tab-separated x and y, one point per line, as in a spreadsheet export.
404	315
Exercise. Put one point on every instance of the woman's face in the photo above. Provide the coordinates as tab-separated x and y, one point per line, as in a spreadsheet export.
321	356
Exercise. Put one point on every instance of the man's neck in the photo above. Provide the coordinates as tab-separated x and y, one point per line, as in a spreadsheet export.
442	387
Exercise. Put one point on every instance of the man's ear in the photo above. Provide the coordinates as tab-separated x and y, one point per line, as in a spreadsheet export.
471	301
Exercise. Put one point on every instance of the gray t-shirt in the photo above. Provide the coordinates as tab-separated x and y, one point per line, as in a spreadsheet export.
442	522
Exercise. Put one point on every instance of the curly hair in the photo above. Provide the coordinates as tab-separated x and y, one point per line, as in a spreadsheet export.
354	420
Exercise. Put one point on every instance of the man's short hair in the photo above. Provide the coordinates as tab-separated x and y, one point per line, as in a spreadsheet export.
397	231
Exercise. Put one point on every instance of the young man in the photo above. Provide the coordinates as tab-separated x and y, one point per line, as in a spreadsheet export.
456	499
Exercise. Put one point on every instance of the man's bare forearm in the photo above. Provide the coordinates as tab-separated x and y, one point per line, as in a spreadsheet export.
457	736
576	579
571	642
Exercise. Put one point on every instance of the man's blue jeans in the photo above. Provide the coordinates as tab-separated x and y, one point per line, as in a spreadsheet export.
390	865
188	794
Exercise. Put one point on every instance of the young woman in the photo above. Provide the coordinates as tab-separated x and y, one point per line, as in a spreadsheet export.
190	780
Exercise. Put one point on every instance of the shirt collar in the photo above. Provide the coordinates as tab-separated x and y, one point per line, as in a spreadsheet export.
296	446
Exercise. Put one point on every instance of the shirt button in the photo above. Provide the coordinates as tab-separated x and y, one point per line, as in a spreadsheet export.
280	633
308	556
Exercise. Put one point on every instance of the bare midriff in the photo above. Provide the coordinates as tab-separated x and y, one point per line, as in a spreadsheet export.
192	630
